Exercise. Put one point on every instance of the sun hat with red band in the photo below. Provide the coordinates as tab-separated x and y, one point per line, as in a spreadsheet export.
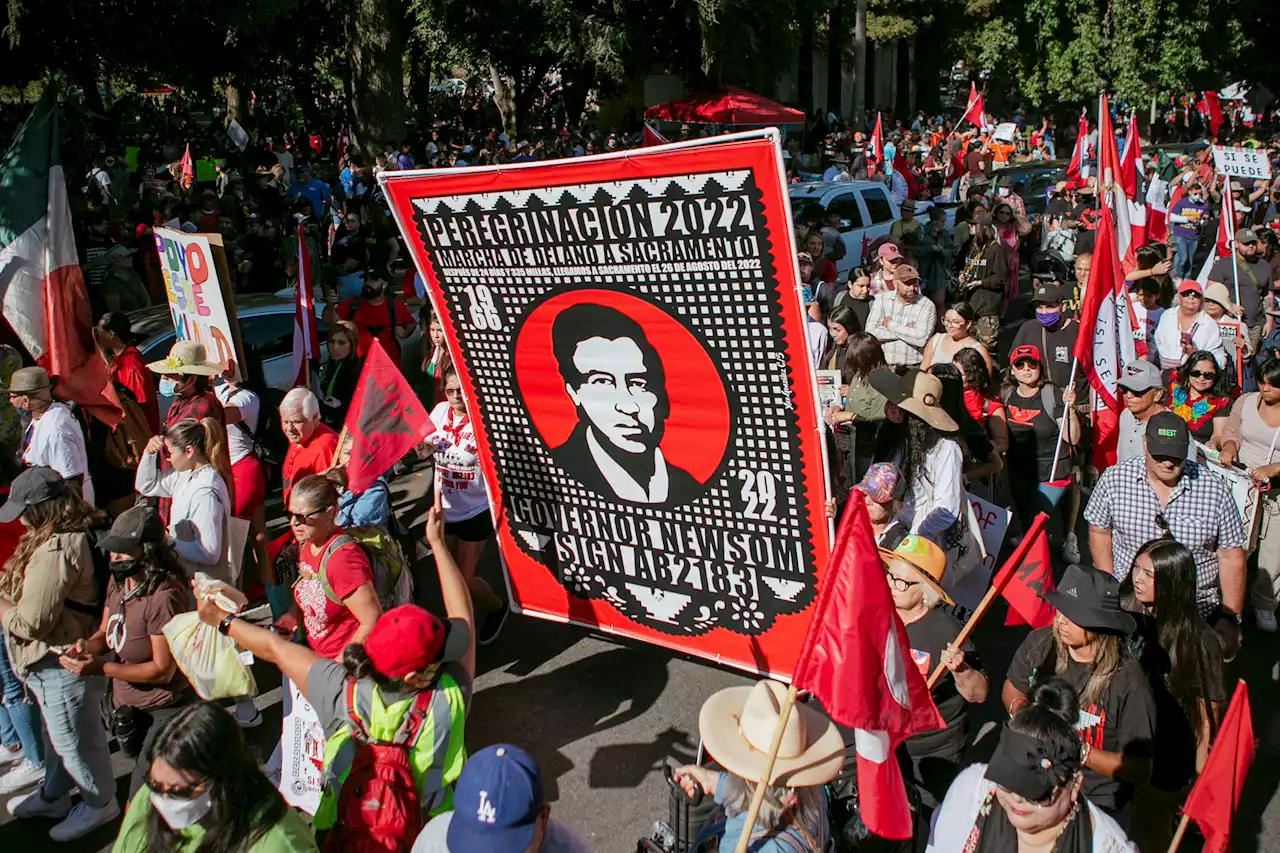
405	639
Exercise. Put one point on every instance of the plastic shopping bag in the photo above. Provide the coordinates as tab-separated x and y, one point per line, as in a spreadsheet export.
209	660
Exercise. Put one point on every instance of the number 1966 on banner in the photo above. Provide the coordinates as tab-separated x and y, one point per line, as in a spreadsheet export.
630	340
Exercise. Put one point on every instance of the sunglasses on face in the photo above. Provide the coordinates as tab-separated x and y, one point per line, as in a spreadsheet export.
1191	294
304	517
1203	374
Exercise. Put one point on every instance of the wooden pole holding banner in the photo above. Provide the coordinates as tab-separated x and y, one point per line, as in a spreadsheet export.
1177	836
1066	412
337	450
1016	557
784	713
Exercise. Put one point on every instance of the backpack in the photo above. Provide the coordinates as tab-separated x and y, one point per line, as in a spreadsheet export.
1046	399
128	439
379	808
101	573
392	580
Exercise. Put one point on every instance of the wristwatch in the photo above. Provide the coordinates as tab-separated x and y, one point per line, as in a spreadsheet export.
225	625
1236	618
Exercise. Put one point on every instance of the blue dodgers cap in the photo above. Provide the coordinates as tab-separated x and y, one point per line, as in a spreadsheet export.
496	802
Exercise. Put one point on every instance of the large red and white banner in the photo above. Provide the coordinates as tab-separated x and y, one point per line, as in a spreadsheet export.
632	348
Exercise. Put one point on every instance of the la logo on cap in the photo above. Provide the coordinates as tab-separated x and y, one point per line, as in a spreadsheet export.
487	813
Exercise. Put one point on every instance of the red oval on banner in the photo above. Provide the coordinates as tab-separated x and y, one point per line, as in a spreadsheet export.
696	433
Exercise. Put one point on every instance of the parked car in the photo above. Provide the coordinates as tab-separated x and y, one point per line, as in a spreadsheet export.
266	324
1033	180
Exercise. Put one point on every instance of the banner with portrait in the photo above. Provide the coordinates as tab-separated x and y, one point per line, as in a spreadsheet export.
630	340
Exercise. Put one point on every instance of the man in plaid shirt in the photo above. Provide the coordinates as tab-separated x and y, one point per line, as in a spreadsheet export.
902	320
1164	494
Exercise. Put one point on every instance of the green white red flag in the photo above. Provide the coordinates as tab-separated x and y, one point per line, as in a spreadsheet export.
42	289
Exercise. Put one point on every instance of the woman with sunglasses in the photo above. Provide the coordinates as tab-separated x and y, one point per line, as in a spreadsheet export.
914	571
1087	646
1182	659
204	792
1031	796
1010	229
1199	393
1186	329
957	334
334	593
1252	436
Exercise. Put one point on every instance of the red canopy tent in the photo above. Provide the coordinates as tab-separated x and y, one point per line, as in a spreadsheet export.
725	105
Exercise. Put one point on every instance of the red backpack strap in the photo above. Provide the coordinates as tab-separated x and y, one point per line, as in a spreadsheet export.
353	716
414	718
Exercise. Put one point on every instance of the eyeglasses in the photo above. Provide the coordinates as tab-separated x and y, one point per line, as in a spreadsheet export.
1191	294
190	792
898	583
453	392
305	517
949	322
1200	374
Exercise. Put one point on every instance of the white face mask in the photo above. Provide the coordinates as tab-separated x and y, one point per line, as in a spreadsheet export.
180	813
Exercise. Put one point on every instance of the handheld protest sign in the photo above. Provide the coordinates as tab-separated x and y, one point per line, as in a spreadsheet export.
630	341
197	283
1242	162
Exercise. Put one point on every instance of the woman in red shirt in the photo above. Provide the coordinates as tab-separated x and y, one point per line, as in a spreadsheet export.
334	592
125	365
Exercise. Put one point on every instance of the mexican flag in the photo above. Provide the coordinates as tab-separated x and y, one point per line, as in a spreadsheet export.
41	287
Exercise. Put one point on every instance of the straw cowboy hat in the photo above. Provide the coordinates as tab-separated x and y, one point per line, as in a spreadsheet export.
915	392
737	726
186	357
925	558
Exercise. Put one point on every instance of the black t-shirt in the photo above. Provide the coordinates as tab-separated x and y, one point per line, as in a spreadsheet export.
928	636
1057	207
1251	293
1124	721
1055	347
1033	433
1174	764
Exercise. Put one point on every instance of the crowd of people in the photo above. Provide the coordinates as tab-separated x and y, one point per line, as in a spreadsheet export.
945	390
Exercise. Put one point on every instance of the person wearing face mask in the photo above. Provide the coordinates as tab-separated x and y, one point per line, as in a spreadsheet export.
147	588
52	436
204	792
1052	331
185	379
375	314
1186	216
1006	195
1031	796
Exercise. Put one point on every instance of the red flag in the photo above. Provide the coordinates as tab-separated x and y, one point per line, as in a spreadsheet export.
1212	110
1129	159
876	156
1111	186
651	137
187	170
306	340
856	659
1100	353
1226	221
385	420
1078	154
1216	794
973	111
1026	576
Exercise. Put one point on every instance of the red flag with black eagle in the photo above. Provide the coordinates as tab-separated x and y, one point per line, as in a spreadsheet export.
856	660
385	421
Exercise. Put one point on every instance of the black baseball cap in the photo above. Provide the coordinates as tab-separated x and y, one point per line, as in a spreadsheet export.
1167	435
33	486
1048	291
135	527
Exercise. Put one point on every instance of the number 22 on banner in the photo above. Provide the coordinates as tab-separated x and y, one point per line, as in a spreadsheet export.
760	494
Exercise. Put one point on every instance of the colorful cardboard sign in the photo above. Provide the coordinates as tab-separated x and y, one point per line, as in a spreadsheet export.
200	300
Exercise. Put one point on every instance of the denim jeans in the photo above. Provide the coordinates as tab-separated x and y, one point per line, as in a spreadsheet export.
1184	251
21	711
76	731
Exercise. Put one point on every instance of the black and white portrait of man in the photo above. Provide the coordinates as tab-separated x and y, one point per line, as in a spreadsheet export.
615	380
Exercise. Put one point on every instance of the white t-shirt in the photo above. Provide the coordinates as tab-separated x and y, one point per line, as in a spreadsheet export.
56	441
458	477
102	180
936	497
239	444
1148	320
818	337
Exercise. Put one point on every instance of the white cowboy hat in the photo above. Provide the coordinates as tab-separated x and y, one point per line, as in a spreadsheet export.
187	357
916	392
737	726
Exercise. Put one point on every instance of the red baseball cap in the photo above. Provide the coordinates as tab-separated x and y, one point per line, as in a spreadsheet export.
1030	351
1190	284
405	639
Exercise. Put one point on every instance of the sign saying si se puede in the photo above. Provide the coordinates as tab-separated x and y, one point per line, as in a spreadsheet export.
200	300
630	342
1242	162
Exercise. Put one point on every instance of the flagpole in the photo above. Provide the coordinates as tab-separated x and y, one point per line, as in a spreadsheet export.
784	713
1062	427
1177	836
1016	557
1231	235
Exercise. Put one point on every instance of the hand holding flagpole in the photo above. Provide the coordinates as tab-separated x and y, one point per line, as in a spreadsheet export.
1062	427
